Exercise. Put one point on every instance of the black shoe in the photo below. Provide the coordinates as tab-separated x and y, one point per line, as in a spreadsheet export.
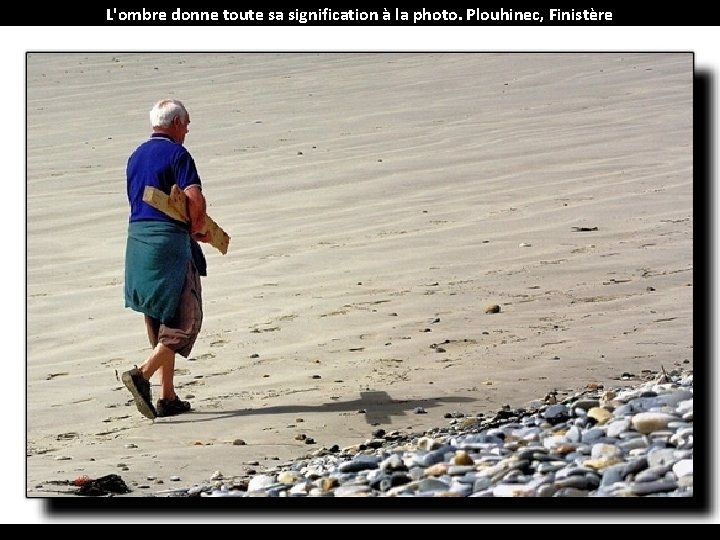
171	407
140	389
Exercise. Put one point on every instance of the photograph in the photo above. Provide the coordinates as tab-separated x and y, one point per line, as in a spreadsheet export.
360	275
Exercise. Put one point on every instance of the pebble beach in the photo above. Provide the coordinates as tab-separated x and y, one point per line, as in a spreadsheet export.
623	442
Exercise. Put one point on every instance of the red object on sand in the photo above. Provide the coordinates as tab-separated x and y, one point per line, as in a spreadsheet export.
81	480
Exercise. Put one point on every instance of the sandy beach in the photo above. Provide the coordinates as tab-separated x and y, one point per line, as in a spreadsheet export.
378	204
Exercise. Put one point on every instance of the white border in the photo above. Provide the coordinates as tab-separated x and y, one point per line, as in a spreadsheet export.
18	40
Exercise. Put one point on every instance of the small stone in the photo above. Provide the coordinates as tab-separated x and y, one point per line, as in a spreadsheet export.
287	477
683	468
328	484
260	482
647	422
600	414
492	309
602	451
439	469
462	458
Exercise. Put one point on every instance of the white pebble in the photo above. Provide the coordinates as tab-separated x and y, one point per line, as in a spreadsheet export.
261	482
683	468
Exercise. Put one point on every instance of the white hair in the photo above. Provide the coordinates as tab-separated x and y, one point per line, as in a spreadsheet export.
165	111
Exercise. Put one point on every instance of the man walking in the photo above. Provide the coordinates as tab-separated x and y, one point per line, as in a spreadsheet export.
163	261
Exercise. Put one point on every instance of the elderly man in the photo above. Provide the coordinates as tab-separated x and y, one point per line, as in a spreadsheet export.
163	261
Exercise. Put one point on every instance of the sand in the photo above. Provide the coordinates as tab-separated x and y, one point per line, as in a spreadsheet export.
377	204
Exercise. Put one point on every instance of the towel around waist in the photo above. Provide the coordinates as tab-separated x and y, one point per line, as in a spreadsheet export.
156	258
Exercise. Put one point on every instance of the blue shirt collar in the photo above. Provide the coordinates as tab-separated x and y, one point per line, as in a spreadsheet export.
158	135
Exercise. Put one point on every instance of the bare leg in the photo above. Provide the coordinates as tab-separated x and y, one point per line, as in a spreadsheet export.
167	368
162	359
167	374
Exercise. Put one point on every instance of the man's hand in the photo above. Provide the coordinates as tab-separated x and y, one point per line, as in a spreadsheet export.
202	237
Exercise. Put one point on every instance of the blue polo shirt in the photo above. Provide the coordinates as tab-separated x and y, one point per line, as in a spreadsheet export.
159	162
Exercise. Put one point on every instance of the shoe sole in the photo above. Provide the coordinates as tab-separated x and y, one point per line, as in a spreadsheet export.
142	405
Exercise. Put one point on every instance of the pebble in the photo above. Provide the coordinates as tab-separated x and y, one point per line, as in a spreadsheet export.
640	446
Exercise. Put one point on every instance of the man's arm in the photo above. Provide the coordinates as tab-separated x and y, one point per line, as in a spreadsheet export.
197	208
177	206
